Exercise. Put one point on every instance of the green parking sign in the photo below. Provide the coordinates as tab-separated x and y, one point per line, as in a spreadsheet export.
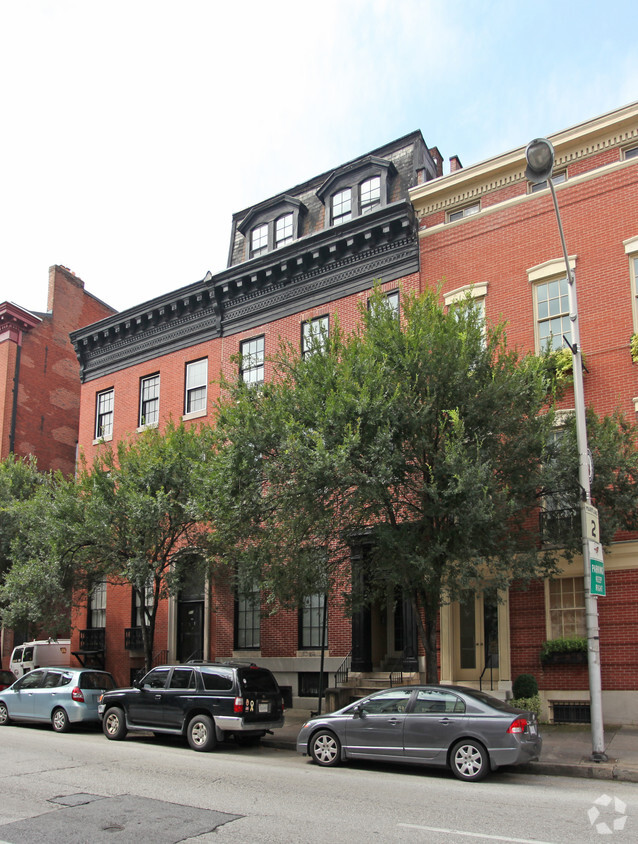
597	582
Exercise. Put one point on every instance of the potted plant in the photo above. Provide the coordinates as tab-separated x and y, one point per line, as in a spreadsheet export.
570	650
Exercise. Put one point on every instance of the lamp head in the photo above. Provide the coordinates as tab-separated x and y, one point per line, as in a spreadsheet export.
540	160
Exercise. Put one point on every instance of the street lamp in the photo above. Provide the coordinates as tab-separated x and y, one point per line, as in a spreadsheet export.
540	164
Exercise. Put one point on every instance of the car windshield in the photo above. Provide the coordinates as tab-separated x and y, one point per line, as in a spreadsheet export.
258	680
494	702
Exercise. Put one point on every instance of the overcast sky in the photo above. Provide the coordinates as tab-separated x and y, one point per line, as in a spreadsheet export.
133	129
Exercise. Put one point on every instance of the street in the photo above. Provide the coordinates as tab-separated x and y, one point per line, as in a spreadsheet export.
79	787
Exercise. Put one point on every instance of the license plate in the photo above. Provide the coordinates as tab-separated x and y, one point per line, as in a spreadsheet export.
532	729
263	707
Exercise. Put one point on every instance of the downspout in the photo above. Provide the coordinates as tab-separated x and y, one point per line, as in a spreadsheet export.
14	407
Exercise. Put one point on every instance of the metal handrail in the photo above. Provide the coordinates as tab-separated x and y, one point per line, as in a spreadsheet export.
341	674
394	676
489	663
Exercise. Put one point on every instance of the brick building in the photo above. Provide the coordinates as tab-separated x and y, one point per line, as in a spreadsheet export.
39	383
311	253
487	230
296	261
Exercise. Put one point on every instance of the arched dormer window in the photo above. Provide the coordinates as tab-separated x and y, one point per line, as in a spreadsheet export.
271	225
356	189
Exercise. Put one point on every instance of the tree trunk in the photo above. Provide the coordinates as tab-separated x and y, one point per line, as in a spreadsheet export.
427	634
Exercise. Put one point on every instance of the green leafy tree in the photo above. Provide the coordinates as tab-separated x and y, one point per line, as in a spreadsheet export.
427	435
131	516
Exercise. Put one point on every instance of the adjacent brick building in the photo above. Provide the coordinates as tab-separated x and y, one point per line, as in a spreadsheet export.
39	377
300	259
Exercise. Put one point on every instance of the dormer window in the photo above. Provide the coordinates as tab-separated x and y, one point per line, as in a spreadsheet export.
259	240
356	189
283	230
342	206
370	194
272	225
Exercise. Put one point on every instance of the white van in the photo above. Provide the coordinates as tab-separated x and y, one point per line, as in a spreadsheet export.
43	652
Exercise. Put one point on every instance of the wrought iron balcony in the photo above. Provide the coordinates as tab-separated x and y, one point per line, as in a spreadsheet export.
92	639
133	640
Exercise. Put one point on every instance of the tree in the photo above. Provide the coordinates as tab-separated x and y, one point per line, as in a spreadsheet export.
425	434
131	516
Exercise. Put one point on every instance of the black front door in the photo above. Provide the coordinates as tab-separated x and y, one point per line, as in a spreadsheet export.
190	630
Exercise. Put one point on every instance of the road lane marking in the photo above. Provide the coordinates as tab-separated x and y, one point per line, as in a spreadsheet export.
475	834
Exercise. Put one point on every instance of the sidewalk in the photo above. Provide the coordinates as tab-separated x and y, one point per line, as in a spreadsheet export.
566	749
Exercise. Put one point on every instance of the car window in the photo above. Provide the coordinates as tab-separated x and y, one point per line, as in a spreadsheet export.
17	655
494	702
96	680
27	655
6	677
217	681
258	680
52	680
394	700
156	679
33	680
436	700
182	678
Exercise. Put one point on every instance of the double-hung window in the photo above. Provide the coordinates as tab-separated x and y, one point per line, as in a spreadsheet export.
97	605
314	335
142	616
252	361
259	240
248	620
311	621
283	230
566	604
467	211
196	386
149	400
370	194
342	206
552	308
104	415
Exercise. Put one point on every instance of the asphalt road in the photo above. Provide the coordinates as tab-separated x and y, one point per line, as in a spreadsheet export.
79	787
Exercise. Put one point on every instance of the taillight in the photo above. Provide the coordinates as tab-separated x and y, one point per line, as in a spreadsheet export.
77	695
283	704
518	726
238	706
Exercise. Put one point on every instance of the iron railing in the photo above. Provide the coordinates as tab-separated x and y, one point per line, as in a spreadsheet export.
341	674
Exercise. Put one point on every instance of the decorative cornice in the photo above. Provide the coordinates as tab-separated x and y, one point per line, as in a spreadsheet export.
314	270
14	320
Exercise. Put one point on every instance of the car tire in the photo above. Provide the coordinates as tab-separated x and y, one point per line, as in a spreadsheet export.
469	760
201	733
4	715
325	749
60	720
114	725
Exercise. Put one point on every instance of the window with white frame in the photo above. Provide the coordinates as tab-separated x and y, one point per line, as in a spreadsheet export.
311	621
196	386
104	414
565	601
342	206
149	400
554	328
252	360
248	620
631	250
97	605
259	240
473	294
632	152
140	616
557	179
466	211
283	230
370	194
314	335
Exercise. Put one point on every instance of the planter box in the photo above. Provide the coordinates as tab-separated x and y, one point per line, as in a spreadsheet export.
565	658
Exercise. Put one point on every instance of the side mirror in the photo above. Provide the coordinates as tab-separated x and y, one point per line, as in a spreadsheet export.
358	711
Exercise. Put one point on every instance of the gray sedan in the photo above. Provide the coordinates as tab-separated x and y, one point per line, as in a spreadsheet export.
60	696
467	730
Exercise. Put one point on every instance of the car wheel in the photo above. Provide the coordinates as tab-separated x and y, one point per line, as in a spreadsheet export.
469	760
4	714
201	733
114	725
325	748
60	721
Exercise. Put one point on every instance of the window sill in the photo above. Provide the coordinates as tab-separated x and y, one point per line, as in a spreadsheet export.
195	414
100	440
146	427
312	653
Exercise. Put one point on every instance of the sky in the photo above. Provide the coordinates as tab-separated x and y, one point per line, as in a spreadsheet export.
132	130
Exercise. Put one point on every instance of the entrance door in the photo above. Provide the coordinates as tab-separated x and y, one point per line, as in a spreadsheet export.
476	636
190	630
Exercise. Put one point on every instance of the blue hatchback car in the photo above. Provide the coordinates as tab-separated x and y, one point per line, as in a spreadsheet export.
59	696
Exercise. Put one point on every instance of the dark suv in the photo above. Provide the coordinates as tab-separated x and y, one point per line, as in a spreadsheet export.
207	702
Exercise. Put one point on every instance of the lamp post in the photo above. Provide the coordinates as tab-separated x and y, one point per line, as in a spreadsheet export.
540	164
